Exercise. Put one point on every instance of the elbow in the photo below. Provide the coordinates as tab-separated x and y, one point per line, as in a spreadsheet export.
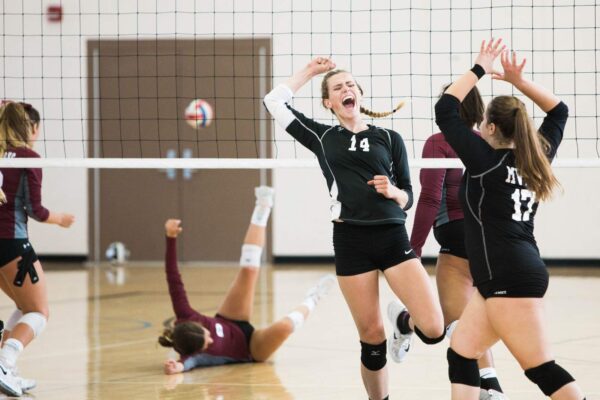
39	214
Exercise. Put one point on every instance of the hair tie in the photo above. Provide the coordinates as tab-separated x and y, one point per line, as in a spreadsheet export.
515	111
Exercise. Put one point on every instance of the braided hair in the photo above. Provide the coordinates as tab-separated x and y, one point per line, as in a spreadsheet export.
372	114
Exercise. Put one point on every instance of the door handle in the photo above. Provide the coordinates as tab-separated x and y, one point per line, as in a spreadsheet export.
171	172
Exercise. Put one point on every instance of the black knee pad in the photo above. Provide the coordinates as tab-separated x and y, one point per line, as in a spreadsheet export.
549	377
428	340
462	370
373	356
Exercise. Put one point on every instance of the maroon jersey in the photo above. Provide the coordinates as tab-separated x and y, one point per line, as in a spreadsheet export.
438	202
229	342
23	190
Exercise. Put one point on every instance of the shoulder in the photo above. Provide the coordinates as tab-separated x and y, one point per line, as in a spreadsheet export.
388	133
23	152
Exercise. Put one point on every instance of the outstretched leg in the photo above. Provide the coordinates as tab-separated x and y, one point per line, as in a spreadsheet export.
264	342
239	300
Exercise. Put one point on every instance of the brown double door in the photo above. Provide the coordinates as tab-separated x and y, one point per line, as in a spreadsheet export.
138	93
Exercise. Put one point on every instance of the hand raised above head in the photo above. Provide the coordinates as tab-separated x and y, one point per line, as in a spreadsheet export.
320	65
488	53
512	71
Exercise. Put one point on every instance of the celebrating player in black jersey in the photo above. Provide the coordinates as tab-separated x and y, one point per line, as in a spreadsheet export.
367	174
507	172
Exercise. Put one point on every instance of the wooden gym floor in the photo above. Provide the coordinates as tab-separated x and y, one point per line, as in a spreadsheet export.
100	342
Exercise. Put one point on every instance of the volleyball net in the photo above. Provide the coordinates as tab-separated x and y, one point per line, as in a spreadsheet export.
113	80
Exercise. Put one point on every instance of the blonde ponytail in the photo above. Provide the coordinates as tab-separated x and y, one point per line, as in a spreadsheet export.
530	147
384	114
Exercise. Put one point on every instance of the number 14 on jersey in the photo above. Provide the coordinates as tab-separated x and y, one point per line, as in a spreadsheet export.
364	144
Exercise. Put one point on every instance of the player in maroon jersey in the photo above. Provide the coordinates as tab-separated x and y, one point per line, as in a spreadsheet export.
228	337
22	275
439	207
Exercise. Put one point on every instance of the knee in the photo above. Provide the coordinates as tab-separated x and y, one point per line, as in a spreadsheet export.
549	377
374	333
462	370
431	331
432	326
373	356
463	346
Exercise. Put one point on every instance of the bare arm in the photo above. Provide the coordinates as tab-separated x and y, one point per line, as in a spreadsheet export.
513	74
61	219
316	67
487	54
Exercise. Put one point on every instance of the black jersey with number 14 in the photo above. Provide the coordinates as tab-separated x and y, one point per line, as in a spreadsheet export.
348	161
499	208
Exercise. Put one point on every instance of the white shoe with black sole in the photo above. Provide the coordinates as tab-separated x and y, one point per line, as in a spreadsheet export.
399	343
9	384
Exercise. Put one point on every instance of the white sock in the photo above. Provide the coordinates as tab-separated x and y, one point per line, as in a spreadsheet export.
450	328
309	302
297	319
486	373
260	216
10	351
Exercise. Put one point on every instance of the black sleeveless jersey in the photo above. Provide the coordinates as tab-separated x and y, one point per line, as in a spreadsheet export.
348	161
499	208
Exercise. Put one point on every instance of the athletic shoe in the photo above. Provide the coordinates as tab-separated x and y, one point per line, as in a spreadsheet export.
398	344
26	384
8	382
264	196
322	287
491	395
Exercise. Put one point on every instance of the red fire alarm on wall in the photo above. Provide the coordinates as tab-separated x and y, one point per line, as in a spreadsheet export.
54	13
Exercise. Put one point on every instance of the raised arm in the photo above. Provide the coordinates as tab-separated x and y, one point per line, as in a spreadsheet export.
317	66
513	74
179	300
557	112
302	128
474	152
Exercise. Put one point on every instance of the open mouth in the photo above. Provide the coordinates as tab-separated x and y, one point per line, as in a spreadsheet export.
348	102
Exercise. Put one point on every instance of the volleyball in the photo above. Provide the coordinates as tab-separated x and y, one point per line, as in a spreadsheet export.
198	114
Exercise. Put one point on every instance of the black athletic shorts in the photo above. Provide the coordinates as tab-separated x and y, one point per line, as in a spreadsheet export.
363	248
245	326
451	237
11	249
533	284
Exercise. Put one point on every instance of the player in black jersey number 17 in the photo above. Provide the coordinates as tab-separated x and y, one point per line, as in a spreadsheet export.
507	172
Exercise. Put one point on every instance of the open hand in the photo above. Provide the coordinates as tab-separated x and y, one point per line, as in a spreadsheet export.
513	72
488	53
